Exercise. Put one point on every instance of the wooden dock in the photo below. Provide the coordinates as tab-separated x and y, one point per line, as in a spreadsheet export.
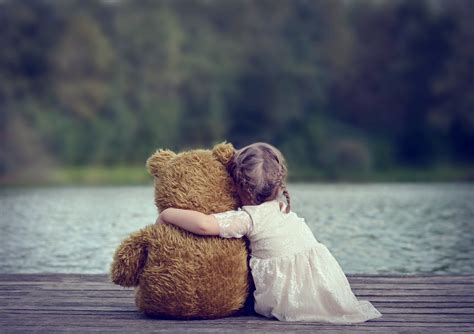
90	303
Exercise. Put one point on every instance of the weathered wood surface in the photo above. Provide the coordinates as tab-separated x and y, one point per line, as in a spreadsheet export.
90	303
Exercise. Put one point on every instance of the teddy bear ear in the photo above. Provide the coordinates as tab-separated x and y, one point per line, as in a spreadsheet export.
158	160
223	152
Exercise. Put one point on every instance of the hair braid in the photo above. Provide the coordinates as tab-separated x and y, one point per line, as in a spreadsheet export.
287	196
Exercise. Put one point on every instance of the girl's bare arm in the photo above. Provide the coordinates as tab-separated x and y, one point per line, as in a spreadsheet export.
189	220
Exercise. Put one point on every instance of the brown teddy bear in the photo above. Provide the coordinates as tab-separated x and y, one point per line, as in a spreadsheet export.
179	274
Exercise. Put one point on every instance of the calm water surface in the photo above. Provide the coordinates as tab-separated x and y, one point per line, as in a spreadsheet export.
374	228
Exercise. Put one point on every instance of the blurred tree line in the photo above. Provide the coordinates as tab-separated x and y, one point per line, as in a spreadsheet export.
337	85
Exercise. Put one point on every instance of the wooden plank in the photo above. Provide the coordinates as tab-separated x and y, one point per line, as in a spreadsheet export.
124	314
76	309
107	322
358	285
128	303
459	300
119	319
365	294
248	329
12	286
125	293
82	278
412	278
401	292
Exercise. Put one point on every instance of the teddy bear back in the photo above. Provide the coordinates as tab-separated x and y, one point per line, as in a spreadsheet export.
184	275
189	277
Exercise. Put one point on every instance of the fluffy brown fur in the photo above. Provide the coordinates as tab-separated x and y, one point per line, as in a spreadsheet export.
178	274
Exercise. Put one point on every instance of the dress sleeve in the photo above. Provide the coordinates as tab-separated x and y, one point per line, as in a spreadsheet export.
233	224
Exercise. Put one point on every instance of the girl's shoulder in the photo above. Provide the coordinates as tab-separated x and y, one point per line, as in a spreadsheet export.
274	206
260	206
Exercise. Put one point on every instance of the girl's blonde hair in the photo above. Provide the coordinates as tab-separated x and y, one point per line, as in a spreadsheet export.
259	171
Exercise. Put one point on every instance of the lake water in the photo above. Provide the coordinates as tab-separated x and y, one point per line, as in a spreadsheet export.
370	228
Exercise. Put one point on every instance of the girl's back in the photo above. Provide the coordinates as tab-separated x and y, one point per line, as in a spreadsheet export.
274	233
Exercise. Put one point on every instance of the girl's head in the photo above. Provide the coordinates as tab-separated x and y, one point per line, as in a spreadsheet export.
259	171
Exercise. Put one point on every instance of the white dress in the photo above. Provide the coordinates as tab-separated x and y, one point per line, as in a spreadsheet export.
296	277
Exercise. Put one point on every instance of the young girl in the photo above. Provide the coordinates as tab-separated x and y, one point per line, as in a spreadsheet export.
296	278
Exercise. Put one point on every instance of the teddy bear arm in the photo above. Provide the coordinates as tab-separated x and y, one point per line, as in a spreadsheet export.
129	259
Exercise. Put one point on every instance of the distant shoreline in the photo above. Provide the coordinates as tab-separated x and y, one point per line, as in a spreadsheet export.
130	175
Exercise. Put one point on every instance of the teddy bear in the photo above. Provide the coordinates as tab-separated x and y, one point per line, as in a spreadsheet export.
178	274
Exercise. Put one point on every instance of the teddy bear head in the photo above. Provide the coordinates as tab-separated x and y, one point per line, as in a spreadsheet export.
195	179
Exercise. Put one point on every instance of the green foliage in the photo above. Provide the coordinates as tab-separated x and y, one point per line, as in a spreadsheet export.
100	175
82	64
347	89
